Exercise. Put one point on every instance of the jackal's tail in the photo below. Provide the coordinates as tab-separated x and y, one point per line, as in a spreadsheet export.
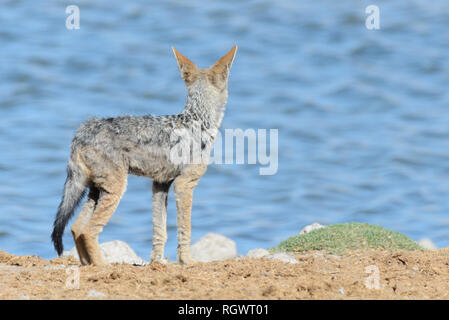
74	189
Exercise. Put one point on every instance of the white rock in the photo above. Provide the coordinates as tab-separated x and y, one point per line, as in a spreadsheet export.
311	227
257	253
71	253
95	294
61	266
120	252
115	251
426	243
213	247
282	256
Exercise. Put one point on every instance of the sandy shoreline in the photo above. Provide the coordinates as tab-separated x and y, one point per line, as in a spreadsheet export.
401	275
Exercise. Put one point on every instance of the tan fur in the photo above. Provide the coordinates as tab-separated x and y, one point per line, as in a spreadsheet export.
159	224
78	227
219	72
92	219
105	151
184	186
188	69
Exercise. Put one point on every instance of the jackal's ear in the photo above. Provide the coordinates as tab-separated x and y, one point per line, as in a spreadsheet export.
219	72
189	71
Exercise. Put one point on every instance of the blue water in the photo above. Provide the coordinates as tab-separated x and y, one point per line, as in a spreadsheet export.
362	114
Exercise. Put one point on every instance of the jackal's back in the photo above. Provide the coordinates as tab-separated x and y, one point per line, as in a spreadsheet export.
138	145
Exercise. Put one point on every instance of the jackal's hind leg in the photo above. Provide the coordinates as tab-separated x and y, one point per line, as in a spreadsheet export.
79	227
108	201
160	194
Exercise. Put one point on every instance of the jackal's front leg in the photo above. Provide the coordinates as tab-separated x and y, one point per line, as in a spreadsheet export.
160	193
184	186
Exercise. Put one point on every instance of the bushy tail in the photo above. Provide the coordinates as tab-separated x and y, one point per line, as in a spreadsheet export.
74	189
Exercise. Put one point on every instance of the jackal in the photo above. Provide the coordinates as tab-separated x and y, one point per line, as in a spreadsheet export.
105	151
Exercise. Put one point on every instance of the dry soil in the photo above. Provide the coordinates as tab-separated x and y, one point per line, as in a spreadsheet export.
358	275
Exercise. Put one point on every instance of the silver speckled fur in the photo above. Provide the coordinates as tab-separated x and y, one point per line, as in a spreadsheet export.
105	151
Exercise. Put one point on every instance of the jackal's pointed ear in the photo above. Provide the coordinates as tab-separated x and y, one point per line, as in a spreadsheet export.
189	71
219	72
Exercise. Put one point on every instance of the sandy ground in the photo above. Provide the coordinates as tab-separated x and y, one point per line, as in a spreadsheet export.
358	275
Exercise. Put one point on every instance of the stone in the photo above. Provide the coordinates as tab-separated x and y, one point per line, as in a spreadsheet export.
257	253
428	244
213	247
282	256
311	227
115	251
95	294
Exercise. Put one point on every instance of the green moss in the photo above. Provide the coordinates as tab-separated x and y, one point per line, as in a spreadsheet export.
339	238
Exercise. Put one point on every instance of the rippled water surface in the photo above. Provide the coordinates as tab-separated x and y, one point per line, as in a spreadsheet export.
362	114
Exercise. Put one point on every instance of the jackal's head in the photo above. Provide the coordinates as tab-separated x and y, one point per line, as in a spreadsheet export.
212	81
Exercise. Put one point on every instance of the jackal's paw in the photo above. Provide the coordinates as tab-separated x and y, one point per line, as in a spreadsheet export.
186	259
100	263
159	260
157	257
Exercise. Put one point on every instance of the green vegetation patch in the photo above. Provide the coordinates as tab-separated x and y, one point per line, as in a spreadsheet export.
340	238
